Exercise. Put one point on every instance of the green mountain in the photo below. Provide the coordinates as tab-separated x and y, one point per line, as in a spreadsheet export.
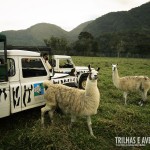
134	19
35	35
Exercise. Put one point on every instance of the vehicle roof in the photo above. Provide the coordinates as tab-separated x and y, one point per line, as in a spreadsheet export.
20	53
61	56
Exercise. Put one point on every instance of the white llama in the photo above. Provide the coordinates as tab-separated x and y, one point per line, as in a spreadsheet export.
131	83
74	101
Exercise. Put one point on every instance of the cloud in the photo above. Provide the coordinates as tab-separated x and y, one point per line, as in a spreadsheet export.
21	14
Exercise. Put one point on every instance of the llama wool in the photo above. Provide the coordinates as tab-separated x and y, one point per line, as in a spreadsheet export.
73	101
131	83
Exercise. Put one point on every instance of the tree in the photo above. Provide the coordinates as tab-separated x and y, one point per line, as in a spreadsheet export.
86	44
58	45
120	47
85	35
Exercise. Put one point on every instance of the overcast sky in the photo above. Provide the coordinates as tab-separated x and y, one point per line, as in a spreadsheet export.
67	14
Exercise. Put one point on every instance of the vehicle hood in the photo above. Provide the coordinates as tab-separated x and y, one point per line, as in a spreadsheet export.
81	68
60	75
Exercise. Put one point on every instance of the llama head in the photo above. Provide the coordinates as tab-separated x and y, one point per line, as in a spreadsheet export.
93	74
114	67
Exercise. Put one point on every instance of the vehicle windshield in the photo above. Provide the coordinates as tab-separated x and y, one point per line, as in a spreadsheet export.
65	63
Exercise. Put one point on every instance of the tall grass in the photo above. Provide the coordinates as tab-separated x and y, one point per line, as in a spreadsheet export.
114	119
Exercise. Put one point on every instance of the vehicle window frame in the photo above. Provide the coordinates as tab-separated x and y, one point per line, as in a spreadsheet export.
11	67
30	68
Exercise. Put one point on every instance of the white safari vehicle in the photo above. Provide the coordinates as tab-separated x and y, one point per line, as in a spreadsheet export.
65	64
22	74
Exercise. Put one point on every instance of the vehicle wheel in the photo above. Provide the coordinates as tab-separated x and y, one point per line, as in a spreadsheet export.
82	83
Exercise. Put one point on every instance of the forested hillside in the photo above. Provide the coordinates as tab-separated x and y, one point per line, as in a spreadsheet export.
137	18
125	33
34	35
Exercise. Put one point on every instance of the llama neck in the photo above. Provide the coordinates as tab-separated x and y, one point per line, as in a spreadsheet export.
115	77
91	87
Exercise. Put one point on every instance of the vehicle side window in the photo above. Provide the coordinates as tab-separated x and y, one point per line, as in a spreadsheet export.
65	63
11	67
1	60
32	67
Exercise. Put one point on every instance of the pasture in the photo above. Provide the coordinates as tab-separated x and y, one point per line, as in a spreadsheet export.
114	119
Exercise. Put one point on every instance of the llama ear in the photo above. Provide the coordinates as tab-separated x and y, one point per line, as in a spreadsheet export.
98	68
89	66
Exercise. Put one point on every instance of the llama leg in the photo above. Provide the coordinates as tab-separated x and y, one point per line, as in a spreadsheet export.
43	111
73	119
144	98
90	126
145	95
50	113
125	97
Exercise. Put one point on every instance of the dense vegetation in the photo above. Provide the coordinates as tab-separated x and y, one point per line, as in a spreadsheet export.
114	119
126	44
137	18
125	33
121	44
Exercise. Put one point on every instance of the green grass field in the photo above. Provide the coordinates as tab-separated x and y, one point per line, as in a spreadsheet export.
114	119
